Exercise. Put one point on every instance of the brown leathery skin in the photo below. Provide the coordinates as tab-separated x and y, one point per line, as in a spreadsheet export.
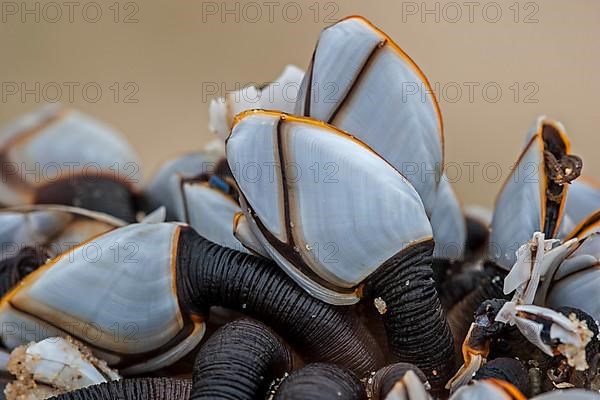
102	194
211	275
383	381
506	369
133	389
14	269
416	326
320	381
239	362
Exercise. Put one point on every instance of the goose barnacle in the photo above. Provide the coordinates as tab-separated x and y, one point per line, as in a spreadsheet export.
369	214
144	291
61	156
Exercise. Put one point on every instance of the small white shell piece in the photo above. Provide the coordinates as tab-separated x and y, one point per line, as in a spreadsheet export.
372	212
56	228
60	363
535	260
279	95
361	82
448	224
409	387
572	335
115	293
488	389
57	143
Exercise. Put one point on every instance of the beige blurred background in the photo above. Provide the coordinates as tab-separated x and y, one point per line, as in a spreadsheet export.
154	60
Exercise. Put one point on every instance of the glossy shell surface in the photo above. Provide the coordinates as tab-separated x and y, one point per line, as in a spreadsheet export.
58	143
361	82
327	233
115	293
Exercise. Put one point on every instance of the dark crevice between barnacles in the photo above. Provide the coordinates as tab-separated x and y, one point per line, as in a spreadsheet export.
102	194
457	287
478	237
415	323
460	316
133	389
506	369
211	275
383	381
239	362
14	269
320	382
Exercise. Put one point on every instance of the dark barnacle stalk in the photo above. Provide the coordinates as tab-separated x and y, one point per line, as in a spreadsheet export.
210	275
382	382
416	327
320	382
133	389
168	291
239	362
509	370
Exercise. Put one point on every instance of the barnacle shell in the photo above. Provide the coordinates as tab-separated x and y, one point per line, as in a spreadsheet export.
522	204
211	213
278	95
575	282
361	82
448	224
582	200
165	187
120	302
55	228
62	364
488	389
59	145
571	394
372	211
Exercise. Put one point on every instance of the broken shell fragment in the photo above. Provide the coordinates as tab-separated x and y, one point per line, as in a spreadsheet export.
550	331
61	364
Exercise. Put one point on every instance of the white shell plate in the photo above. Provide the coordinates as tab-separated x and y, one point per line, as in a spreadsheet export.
379	96
366	211
116	293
